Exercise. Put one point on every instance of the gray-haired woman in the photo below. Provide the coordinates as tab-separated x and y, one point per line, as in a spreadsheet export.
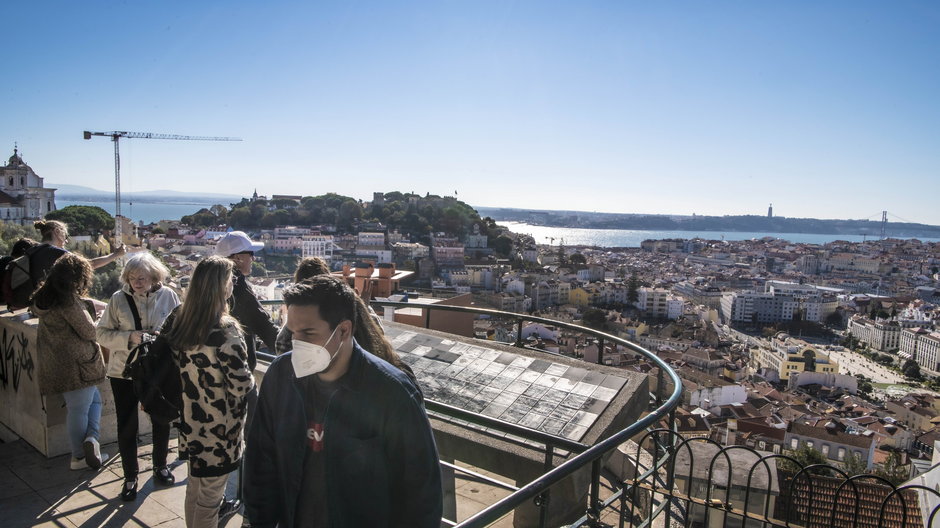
142	279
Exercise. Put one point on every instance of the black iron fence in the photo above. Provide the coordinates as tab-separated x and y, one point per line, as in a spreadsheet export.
670	480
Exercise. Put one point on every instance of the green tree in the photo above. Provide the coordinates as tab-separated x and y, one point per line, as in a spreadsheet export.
854	465
633	287
106	281
201	219
10	233
240	218
220	211
503	245
577	259
349	212
594	318
806	456
834	319
893	471
83	219
911	369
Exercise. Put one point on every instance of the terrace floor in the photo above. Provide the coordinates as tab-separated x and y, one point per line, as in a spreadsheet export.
43	492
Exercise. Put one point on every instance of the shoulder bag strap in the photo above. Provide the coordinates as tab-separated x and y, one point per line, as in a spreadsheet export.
134	312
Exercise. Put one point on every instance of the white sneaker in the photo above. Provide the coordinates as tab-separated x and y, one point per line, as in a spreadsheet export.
76	464
93	453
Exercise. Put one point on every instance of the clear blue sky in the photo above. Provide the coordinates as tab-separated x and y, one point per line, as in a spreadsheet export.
826	109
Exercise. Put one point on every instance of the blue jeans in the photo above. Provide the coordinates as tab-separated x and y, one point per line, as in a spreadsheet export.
84	413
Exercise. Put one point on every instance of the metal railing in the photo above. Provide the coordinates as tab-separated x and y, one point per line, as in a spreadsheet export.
539	489
816	495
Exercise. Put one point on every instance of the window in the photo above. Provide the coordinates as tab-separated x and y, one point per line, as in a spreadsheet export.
841	453
809	444
825	450
794	443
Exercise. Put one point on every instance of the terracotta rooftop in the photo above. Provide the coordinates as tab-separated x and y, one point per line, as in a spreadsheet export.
830	435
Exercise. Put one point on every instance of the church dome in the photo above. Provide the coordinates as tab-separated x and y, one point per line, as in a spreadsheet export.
15	160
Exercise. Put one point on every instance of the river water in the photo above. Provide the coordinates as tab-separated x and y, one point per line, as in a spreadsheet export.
146	211
572	236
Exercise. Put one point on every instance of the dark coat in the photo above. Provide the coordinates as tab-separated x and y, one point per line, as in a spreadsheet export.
244	307
382	466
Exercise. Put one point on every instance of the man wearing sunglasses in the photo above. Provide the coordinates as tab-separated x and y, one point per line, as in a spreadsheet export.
243	304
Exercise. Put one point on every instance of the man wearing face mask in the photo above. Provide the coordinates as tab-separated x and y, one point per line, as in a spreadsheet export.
336	424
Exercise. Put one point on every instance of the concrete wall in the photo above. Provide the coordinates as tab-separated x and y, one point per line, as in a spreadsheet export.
451	322
37	419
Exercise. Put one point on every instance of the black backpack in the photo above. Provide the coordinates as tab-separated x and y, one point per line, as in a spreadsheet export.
154	371
17	283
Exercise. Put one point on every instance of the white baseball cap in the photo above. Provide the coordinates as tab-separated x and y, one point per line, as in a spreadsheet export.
236	242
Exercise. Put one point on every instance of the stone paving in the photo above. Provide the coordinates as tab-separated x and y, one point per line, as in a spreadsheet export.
44	492
36	491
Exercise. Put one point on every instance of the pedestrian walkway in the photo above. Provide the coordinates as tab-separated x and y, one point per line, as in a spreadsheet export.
44	492
36	491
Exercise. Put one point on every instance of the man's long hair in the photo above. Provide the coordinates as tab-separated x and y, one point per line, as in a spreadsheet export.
337	302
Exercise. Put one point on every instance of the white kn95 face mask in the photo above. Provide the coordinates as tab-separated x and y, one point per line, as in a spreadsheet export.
308	358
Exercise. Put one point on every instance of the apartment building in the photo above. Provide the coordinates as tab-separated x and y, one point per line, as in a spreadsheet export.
317	246
659	302
833	442
787	355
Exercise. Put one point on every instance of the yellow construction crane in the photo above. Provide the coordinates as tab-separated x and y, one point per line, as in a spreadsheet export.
115	137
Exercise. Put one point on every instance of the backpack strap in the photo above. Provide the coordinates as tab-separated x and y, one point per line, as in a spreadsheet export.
134	312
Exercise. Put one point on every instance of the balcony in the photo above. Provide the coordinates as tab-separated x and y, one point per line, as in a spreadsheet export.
526	438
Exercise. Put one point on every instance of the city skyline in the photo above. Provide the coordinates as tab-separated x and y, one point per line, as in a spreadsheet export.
827	111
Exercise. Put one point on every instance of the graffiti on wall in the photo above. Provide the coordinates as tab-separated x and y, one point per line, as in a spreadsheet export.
15	359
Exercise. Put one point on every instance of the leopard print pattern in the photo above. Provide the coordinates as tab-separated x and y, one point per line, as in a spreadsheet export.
216	380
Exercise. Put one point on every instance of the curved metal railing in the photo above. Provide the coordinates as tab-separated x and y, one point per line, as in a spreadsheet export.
807	495
538	489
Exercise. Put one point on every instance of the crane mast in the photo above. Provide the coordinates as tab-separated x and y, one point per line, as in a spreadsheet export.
115	137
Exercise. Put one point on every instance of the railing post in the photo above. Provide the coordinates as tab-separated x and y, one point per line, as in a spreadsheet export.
427	318
543	498
659	387
600	350
594	510
519	333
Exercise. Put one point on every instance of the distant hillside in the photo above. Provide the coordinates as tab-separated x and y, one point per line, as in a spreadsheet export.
78	192
744	223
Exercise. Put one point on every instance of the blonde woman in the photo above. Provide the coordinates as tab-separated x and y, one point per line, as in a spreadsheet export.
215	376
120	331
55	235
70	361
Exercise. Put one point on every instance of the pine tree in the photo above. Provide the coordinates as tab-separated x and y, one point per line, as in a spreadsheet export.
633	286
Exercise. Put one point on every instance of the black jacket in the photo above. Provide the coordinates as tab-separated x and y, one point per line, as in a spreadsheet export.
382	466
245	307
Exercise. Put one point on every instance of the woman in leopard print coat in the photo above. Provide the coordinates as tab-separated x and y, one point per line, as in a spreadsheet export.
215	377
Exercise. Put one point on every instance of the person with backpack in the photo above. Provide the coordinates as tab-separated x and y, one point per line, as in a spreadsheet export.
216	378
136	312
55	235
70	360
